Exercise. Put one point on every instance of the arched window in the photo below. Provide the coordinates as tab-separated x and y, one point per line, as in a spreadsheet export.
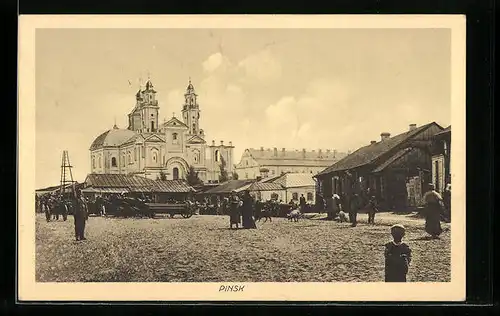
175	173
113	162
174	138
154	157
100	162
309	196
152	125
135	154
129	157
194	128
217	155
123	160
93	162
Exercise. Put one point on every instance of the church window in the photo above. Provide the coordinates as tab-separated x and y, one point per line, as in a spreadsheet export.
174	138
113	162
175	173
99	162
129	157
152	126
154	157
93	162
135	154
217	155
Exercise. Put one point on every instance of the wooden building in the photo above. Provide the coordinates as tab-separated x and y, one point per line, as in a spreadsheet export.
441	174
384	168
159	190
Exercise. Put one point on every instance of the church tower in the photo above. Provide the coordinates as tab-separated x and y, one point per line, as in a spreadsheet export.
144	117
191	111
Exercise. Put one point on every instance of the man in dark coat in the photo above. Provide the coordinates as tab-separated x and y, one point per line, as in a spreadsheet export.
80	215
247	211
353	204
302	203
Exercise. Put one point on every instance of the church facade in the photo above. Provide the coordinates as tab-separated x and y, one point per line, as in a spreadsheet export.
148	148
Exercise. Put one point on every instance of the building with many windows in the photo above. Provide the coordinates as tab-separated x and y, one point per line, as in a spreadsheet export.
263	163
148	148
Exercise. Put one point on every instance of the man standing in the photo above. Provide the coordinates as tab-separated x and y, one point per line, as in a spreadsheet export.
302	203
80	215
353	206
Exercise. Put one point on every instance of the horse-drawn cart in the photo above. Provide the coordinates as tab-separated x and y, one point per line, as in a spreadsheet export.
171	209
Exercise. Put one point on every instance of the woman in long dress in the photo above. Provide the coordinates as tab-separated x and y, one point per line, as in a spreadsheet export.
234	215
433	206
247	211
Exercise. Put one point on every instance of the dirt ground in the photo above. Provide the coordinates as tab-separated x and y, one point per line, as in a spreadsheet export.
203	249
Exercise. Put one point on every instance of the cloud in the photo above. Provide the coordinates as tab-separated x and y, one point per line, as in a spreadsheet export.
261	66
212	62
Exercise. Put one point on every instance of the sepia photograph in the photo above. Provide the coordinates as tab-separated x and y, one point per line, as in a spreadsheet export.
241	158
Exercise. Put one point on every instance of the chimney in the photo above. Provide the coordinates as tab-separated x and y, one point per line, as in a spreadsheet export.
213	142
334	153
319	153
328	151
275	152
261	148
385	136
303	152
231	143
222	143
413	126
373	142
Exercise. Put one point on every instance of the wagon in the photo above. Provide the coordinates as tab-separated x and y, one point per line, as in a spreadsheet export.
171	209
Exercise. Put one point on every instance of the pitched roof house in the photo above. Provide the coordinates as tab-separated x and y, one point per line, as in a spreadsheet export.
384	166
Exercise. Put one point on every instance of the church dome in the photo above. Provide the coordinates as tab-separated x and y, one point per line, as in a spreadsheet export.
113	137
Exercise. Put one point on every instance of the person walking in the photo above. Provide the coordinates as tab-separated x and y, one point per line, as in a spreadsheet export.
302	203
80	215
234	213
247	211
372	210
433	206
353	207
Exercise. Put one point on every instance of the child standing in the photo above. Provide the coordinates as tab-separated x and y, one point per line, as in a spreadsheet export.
372	210
397	256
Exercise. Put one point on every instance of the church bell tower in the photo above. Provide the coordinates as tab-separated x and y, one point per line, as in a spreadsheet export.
191	111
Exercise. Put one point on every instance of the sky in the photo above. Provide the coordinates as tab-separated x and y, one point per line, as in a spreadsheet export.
324	89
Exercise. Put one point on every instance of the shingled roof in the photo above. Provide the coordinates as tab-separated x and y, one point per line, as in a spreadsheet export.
295	180
229	186
265	186
134	183
368	154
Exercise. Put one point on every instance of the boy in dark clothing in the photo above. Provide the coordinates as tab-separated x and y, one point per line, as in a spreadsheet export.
372	210
397	256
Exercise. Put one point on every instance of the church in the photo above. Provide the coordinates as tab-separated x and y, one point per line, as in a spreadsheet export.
148	149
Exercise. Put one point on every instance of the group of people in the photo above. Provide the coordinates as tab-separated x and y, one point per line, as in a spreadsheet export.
56	205
241	211
351	204
397	253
